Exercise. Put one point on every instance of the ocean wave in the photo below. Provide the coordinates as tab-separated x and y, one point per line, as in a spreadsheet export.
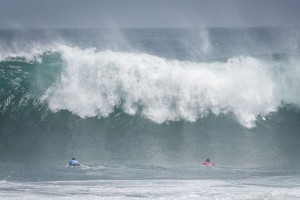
95	83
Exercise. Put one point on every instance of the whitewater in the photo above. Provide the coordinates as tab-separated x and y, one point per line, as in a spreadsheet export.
141	109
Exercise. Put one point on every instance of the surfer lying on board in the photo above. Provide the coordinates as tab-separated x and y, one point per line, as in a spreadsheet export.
208	163
73	162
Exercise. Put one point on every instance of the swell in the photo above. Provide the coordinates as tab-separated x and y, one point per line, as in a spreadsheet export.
91	83
132	107
94	83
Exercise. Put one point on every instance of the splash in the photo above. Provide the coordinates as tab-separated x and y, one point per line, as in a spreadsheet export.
94	83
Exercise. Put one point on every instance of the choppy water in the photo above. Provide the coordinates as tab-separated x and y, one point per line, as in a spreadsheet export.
136	104
274	188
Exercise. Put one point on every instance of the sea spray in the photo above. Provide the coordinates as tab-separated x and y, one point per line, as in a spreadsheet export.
94	83
157	102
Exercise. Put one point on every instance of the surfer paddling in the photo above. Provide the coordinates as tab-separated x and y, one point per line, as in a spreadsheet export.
73	163
208	163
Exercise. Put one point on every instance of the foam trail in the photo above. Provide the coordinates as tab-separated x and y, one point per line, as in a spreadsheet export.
95	83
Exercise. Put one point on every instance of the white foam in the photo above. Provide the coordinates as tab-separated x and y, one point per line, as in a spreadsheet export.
148	189
95	83
31	53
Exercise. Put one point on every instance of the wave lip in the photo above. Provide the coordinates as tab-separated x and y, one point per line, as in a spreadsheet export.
94	83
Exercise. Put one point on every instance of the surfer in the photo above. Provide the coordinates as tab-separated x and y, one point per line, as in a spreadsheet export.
208	163
73	162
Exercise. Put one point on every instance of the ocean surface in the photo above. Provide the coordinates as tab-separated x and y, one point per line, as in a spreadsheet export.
141	109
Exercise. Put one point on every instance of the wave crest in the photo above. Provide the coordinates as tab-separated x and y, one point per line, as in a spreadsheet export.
94	83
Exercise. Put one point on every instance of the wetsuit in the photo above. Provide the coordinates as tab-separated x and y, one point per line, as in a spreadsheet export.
73	163
208	163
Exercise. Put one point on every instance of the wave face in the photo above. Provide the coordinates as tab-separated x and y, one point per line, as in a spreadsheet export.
95	83
151	96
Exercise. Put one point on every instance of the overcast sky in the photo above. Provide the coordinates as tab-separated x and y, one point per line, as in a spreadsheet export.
147	13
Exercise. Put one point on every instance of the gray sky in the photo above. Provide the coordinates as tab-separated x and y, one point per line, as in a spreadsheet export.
147	13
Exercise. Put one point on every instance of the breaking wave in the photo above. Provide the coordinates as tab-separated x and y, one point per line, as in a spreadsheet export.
95	83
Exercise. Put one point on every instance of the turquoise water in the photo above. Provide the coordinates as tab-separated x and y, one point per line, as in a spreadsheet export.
136	104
